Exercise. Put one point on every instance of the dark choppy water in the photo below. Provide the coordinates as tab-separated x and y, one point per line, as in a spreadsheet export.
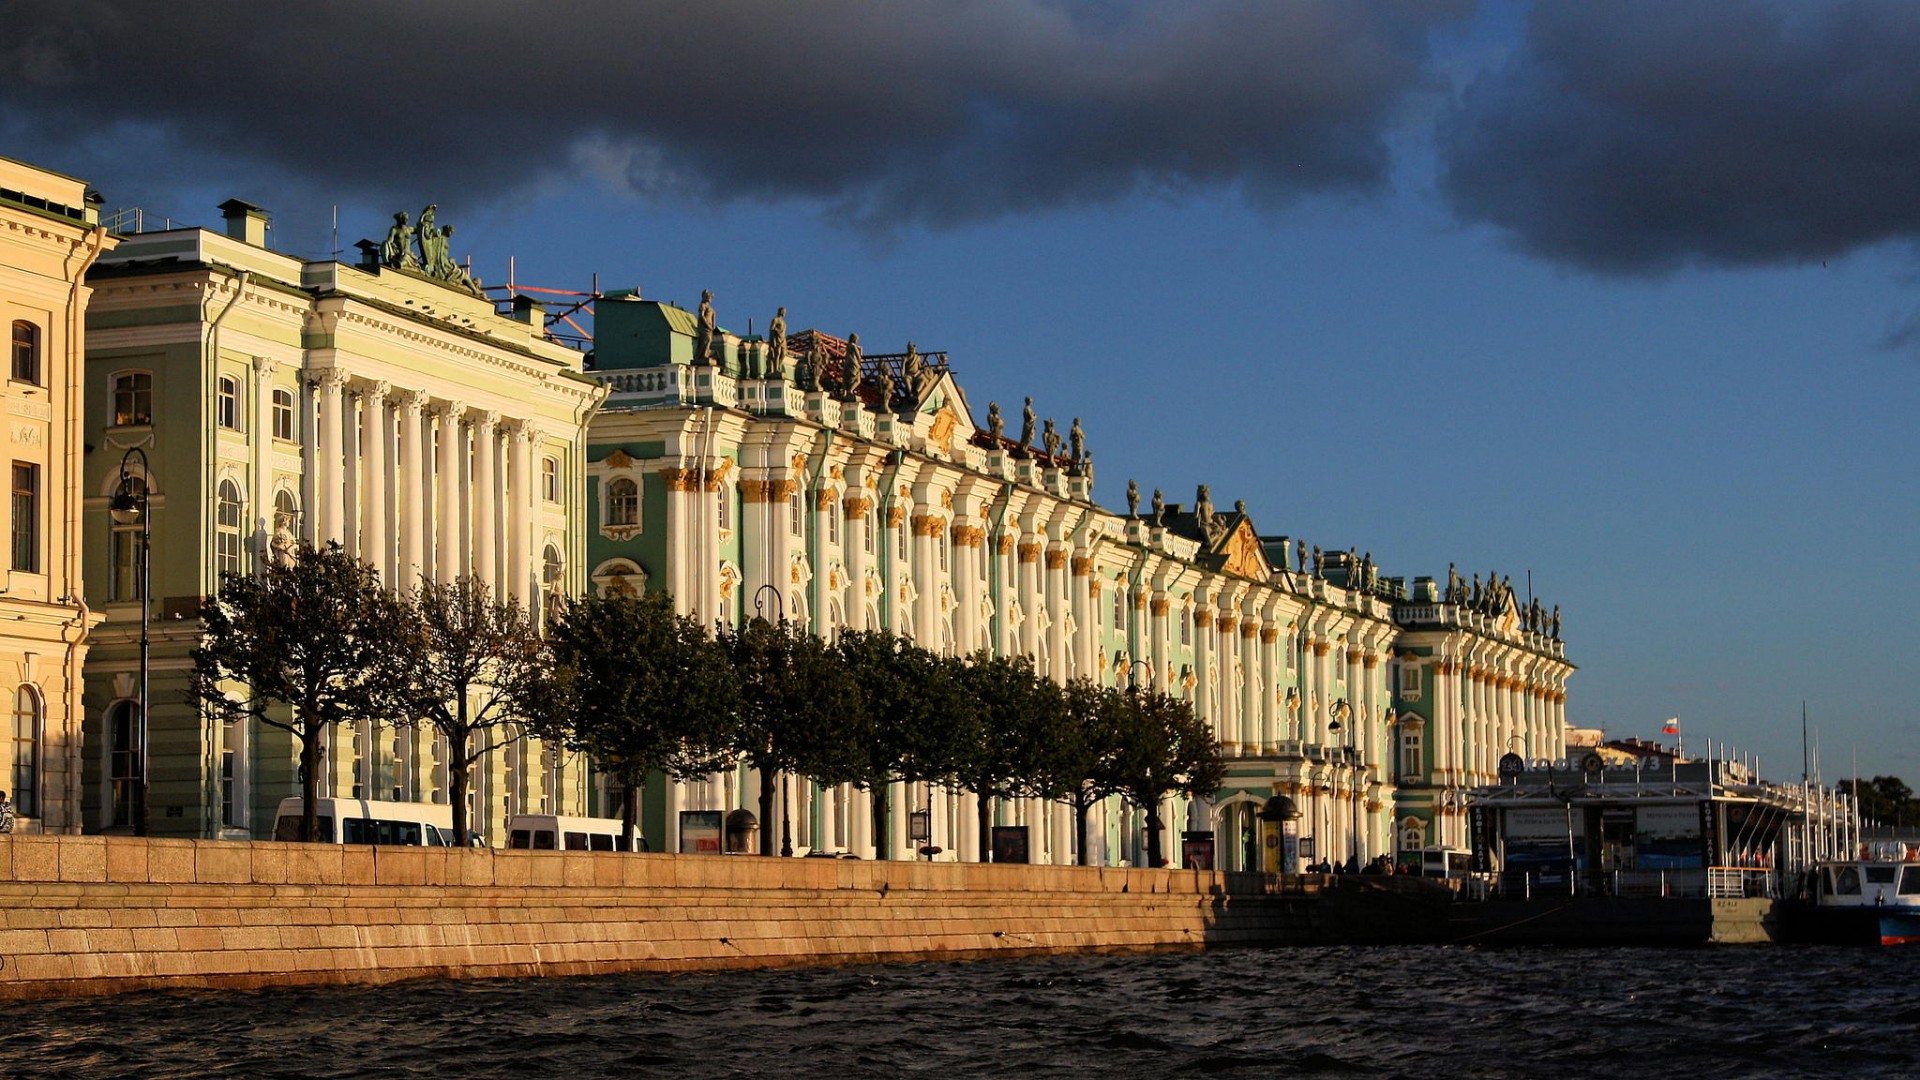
1621	1014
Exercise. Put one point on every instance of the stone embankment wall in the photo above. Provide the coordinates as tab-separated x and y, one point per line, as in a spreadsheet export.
92	914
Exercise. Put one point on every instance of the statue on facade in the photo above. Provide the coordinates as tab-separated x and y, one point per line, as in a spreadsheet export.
776	362
1159	509
1473	597
1300	553
398	249
1319	563
1050	439
1556	622
1240	507
806	374
1076	441
705	330
850	367
1027	421
918	376
1086	468
996	424
432	242
1210	524
884	395
1452	595
1133	499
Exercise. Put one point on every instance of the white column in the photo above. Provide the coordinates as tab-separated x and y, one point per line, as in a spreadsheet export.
484	502
376	442
412	503
450	533
519	514
262	464
329	485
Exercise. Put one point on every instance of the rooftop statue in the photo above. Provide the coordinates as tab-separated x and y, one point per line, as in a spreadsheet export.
1301	554
1050	439
1203	515
1076	441
996	424
1086	467
807	372
704	333
433	245
1133	499
1027	421
398	250
1159	509
1319	562
1556	622
1240	507
885	380
775	363
918	375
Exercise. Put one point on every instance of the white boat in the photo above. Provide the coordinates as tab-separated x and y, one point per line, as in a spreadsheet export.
1871	899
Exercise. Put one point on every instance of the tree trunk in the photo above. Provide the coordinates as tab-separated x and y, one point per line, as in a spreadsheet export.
1080	826
882	847
309	781
985	808
457	780
767	781
1153	834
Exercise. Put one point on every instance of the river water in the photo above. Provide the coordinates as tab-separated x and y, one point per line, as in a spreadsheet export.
1449	1012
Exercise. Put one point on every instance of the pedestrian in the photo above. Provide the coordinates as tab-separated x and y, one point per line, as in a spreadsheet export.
6	813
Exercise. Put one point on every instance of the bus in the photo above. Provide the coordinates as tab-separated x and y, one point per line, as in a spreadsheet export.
557	832
1445	862
369	821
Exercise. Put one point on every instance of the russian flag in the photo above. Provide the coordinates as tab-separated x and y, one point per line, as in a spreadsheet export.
1672	726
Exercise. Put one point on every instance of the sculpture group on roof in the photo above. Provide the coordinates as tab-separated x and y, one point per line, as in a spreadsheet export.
433	242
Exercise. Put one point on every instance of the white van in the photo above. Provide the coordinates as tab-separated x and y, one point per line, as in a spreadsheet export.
369	821
557	832
1445	862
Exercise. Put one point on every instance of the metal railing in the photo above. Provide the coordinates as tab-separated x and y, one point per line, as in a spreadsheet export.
1717	882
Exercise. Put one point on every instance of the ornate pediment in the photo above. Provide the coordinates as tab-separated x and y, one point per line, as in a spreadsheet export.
1243	554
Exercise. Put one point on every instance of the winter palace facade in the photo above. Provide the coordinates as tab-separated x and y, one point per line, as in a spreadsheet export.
859	490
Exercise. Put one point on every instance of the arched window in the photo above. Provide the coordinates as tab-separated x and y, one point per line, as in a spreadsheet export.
623	502
26	352
123	554
133	399
123	761
283	414
227	411
27	716
227	529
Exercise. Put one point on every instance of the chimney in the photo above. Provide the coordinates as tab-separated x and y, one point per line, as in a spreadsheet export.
245	222
529	311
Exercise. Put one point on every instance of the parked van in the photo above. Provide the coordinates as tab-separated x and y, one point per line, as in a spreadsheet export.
1445	862
557	832
369	821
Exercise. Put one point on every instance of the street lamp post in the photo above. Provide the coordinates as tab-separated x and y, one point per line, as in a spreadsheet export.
1343	715
786	815
127	507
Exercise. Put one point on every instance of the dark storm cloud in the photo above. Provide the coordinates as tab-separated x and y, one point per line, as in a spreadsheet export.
1637	137
903	112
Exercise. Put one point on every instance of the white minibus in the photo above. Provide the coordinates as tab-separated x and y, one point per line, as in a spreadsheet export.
369	821
557	832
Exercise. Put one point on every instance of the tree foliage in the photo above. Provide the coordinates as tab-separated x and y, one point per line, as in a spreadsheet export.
467	658
1012	733
798	709
636	687
911	715
315	631
1884	800
1163	748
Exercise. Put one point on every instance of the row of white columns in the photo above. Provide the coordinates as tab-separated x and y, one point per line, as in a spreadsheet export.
443	517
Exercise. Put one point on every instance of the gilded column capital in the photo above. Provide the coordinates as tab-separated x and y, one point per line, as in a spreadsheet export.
858	507
929	525
969	536
1056	559
1080	565
1029	553
1159	606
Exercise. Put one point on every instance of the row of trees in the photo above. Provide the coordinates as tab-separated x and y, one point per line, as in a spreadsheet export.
644	691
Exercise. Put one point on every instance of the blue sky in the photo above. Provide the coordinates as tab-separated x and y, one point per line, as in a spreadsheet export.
1622	298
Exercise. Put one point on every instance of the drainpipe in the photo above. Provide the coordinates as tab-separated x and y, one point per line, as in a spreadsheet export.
211	356
73	518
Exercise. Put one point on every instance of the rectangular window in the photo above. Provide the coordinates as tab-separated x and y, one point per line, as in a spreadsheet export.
796	513
866	534
283	414
228	407
26	352
550	479
123	578
229	808
26	517
833	524
723	516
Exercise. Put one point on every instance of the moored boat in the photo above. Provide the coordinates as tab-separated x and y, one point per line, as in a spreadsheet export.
1871	899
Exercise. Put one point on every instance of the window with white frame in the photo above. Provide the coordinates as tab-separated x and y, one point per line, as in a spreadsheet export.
1186	626
623	502
123	551
550	479
133	399
227	408
1410	752
723	514
283	414
227	516
796	511
833	523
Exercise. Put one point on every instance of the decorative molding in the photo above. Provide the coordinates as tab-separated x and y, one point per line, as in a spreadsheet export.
929	525
1080	565
1029	553
1057	559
